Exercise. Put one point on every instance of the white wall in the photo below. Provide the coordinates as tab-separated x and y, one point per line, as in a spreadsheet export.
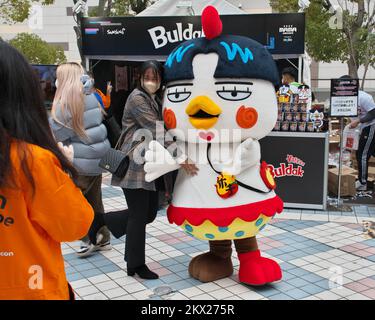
252	6
337	69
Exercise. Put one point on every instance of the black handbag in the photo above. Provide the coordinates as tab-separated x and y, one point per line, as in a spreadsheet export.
115	161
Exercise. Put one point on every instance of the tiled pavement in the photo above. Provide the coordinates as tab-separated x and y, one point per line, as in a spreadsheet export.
316	250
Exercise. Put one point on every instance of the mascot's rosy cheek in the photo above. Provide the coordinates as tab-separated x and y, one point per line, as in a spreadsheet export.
169	119
246	117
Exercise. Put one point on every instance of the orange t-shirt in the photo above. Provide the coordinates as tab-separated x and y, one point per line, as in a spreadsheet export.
32	227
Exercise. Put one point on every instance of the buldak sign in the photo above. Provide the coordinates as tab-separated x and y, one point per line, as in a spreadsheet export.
161	37
158	36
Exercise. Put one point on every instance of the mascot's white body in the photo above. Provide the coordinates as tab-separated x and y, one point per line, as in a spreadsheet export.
231	115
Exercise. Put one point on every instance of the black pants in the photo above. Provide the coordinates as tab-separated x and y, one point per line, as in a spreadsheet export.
91	187
366	148
142	209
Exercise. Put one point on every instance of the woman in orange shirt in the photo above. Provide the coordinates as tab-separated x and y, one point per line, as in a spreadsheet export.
39	204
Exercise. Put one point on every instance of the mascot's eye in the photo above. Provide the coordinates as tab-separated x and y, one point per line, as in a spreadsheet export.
178	96
234	91
233	95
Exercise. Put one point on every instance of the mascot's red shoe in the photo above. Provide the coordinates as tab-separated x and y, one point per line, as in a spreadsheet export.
256	270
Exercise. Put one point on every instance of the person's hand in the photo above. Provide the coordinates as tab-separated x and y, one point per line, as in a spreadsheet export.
168	196
109	87
68	151
354	124
189	167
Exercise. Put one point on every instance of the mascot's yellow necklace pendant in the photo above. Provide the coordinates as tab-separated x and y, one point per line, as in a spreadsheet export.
226	185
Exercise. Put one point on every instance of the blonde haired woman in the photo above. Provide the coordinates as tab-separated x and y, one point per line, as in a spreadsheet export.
76	119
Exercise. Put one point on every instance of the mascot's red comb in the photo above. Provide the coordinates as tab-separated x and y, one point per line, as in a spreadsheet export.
211	23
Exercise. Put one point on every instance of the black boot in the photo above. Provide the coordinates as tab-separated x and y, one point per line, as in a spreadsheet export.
143	272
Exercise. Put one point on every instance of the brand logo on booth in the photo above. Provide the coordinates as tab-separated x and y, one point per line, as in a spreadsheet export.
116	31
288	29
293	167
161	37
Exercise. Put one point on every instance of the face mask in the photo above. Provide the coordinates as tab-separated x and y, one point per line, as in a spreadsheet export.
151	86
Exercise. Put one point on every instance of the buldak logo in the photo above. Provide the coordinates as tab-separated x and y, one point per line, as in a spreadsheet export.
161	37
288	168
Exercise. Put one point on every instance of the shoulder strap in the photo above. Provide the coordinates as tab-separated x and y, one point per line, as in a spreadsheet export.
120	140
99	98
238	182
118	144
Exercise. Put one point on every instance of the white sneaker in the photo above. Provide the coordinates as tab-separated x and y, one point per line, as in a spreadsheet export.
102	246
360	187
88	249
85	250
106	246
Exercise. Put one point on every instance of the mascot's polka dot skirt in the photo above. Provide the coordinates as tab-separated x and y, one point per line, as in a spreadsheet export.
238	229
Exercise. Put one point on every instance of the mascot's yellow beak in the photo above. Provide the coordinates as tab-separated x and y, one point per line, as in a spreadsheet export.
203	112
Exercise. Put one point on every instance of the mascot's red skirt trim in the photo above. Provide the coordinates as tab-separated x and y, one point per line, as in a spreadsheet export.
223	217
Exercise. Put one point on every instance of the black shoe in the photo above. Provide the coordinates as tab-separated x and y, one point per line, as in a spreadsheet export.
143	272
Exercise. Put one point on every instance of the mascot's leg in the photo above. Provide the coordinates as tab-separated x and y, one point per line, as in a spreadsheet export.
215	264
255	269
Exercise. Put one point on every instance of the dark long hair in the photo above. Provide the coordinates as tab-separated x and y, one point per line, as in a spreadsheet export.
23	118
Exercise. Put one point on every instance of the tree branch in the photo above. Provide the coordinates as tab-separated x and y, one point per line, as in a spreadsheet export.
371	16
361	13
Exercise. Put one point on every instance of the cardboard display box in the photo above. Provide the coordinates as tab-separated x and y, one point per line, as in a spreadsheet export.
370	183
355	164
348	176
334	139
371	172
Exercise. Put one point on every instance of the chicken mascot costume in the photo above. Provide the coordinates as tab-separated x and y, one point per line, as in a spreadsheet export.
219	101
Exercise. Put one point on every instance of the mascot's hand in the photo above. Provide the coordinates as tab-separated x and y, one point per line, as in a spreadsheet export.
246	155
158	161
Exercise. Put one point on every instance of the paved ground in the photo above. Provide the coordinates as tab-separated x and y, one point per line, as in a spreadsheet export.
314	248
